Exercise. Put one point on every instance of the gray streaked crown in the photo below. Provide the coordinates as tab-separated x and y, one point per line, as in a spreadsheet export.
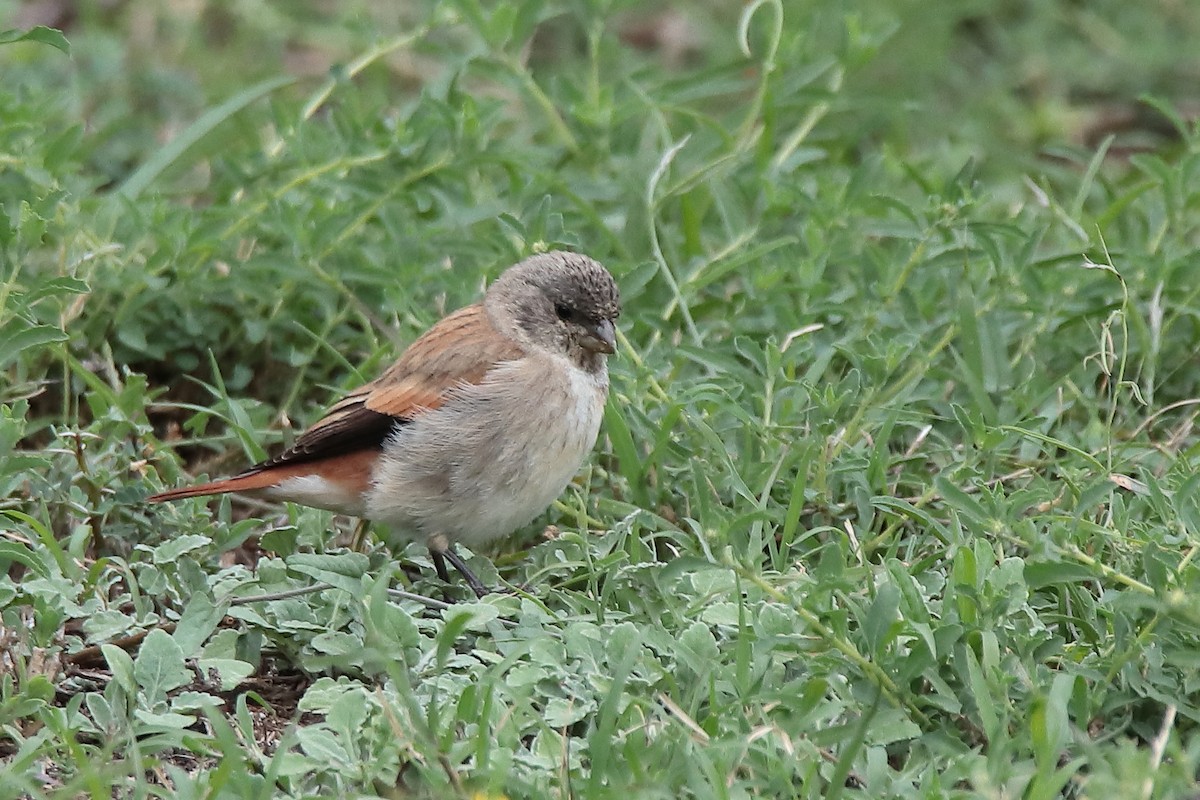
569	278
553	299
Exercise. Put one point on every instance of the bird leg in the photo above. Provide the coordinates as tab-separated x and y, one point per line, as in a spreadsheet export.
359	539
440	557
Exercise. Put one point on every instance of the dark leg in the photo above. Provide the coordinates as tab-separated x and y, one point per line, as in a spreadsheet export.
439	562
359	539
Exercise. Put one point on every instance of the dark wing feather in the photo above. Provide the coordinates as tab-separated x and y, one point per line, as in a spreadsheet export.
459	350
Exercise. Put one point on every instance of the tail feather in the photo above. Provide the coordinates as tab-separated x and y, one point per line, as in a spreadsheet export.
339	482
246	482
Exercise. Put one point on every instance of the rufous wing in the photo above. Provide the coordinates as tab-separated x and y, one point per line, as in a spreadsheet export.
342	445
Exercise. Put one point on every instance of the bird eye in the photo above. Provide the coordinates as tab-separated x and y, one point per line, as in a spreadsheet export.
563	312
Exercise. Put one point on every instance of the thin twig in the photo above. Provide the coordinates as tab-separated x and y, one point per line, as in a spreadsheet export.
397	594
93	655
1148	421
428	602
264	598
698	734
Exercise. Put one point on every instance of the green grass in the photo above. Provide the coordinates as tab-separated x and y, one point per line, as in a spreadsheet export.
897	489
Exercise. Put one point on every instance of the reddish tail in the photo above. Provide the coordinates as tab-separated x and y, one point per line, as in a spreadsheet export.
246	482
348	475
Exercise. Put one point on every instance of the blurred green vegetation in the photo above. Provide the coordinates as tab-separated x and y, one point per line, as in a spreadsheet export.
897	490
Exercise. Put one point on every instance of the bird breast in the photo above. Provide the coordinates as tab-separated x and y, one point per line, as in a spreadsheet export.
493	456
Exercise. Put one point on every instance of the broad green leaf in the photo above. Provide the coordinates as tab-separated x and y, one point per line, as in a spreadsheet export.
164	719
14	340
39	33
337	643
200	618
698	649
472	616
159	666
343	570
120	664
322	745
168	552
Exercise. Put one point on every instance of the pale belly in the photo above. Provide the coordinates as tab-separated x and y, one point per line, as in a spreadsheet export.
492	458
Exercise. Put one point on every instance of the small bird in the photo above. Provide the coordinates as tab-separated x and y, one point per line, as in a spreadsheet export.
477	428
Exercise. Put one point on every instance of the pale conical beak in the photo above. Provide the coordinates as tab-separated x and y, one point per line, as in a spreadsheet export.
600	338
